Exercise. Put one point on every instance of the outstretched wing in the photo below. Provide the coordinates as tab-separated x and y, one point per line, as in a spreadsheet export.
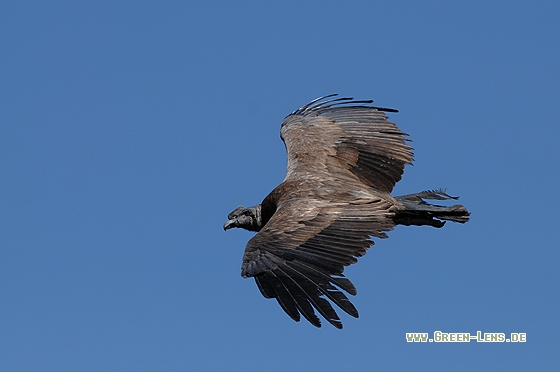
345	138
299	256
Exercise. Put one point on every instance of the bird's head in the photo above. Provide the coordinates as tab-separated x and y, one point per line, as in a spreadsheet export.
246	218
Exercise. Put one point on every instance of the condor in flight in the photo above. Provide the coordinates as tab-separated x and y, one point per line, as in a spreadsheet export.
344	158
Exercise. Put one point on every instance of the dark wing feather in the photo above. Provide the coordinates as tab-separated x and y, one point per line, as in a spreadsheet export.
300	260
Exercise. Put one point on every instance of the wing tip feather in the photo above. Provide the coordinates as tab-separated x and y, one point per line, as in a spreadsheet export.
324	103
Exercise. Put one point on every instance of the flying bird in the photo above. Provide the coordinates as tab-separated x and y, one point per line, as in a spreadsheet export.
344	158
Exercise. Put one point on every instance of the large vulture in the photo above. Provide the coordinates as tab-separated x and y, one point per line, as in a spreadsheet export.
344	158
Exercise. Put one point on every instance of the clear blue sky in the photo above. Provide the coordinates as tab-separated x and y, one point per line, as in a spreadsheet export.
129	130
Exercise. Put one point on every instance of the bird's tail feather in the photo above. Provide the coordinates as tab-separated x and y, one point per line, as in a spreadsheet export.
417	212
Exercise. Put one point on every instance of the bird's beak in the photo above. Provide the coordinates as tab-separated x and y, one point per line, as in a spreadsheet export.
228	225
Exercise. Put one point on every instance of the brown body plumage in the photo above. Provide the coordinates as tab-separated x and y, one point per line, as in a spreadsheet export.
344	159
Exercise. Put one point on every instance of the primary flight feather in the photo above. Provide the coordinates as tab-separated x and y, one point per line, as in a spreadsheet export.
344	158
